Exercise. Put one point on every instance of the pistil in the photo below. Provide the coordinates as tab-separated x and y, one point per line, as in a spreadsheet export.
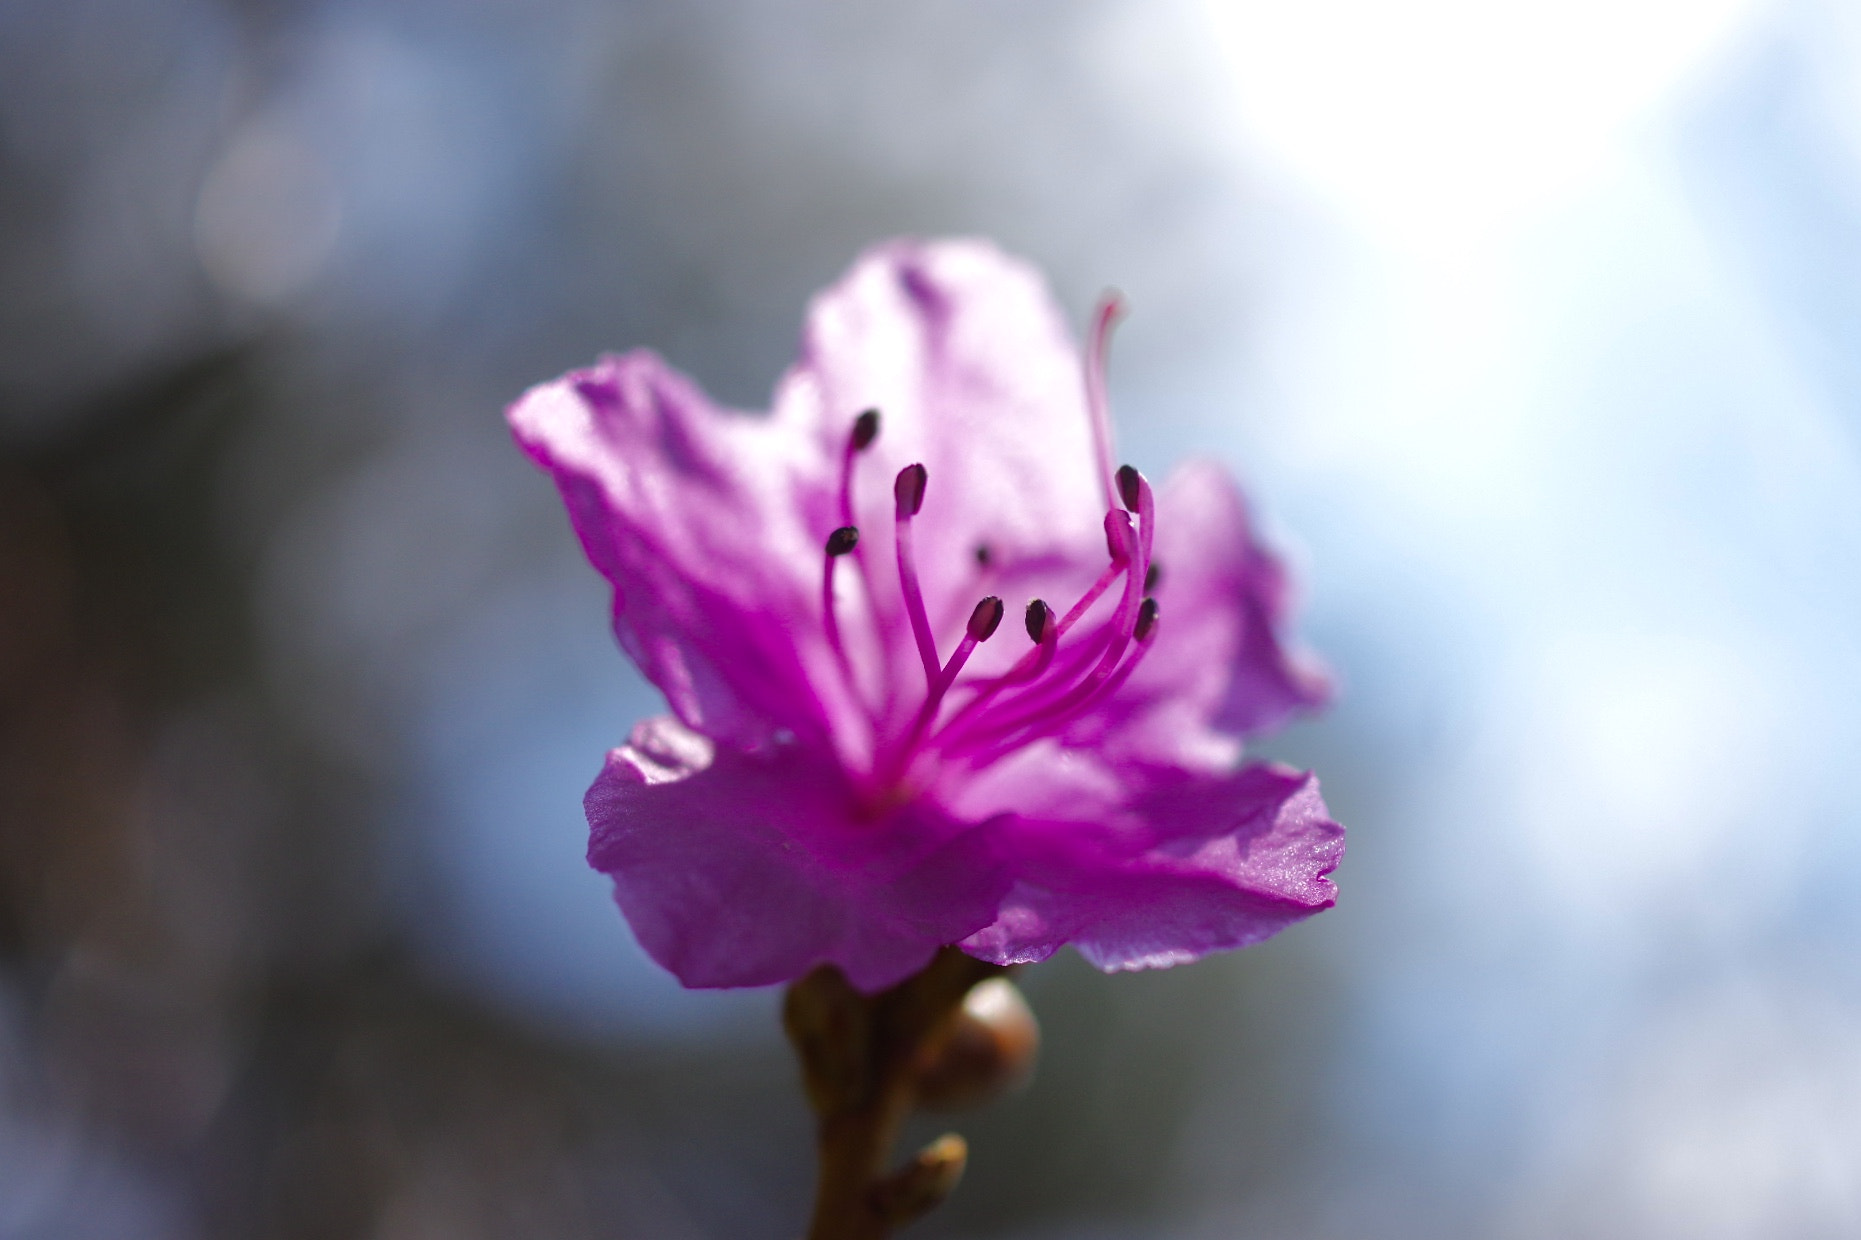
1098	407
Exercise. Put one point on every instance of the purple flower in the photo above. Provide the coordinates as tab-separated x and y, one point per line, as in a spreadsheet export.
869	756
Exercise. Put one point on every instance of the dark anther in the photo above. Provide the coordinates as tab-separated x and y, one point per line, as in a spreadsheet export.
1152	576
843	540
983	555
908	490
1039	616
984	620
1146	619
1128	491
865	430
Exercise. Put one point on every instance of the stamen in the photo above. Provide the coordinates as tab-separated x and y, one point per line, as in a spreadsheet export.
983	621
1048	706
1128	482
1039	616
908	491
1117	537
1131	483
1043	627
1135	490
839	543
1104	689
983	555
865	430
1146	620
1121	622
1110	308
1145	633
1044	645
1152	576
1091	596
993	745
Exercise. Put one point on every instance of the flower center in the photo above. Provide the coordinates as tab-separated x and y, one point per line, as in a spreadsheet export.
1076	661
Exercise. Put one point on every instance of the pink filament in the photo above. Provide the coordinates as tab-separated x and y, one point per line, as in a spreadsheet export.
932	700
1030	667
1011	741
846	481
827	606
914	602
1091	595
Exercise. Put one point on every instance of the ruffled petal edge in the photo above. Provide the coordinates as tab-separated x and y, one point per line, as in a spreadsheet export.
1203	864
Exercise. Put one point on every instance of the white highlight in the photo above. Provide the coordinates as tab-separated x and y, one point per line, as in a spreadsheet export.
1431	116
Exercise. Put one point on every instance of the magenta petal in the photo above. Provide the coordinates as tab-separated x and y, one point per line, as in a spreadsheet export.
693	514
1205	864
746	869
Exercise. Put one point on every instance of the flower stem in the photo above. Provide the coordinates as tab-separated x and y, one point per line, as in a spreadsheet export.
862	1057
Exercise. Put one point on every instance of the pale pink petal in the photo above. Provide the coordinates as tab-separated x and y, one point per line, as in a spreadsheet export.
976	377
700	520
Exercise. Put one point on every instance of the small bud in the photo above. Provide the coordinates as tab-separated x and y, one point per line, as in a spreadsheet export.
1130	486
985	619
989	1050
1152	576
908	489
1039	616
1146	620
843	540
922	1184
865	430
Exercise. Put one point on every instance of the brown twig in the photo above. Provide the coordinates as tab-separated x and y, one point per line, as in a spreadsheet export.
861	1059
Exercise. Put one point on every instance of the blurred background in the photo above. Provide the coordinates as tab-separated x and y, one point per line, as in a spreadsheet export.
1531	327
